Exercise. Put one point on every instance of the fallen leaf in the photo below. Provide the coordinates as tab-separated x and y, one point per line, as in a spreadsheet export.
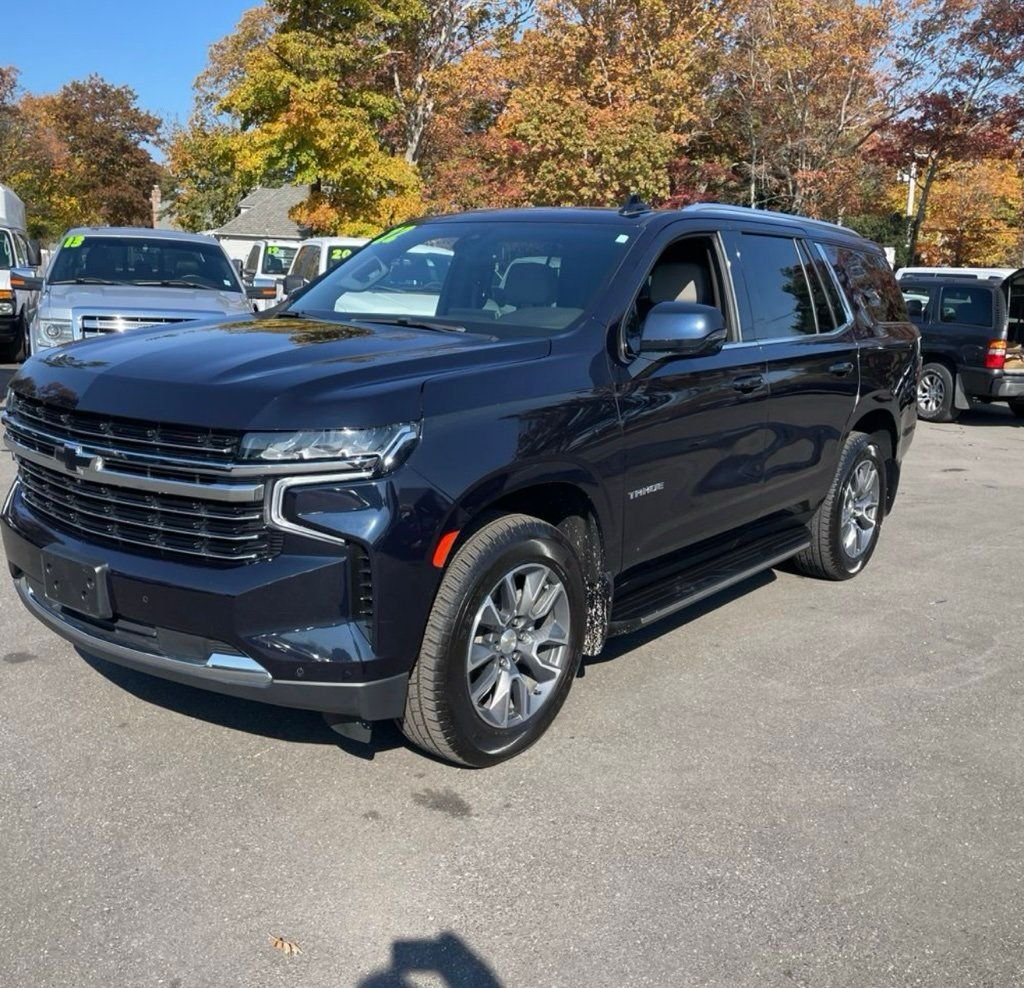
285	946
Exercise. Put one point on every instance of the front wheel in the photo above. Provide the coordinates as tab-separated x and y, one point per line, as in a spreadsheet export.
502	645
935	393
844	529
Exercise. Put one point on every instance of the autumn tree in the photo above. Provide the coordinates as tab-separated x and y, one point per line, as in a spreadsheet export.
109	172
969	105
974	216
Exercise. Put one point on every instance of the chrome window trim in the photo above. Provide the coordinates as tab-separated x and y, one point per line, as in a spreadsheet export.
850	318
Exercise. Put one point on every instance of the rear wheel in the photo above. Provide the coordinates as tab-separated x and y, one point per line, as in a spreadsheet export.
935	393
502	645
844	530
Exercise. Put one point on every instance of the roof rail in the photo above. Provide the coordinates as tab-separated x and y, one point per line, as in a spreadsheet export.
728	209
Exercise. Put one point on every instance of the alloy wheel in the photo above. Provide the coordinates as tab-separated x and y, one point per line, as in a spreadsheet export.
518	646
861	502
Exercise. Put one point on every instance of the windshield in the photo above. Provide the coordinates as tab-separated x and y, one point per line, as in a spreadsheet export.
277	260
99	260
525	277
6	251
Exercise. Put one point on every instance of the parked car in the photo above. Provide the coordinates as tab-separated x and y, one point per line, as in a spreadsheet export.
267	266
17	250
972	331
317	256
106	280
433	517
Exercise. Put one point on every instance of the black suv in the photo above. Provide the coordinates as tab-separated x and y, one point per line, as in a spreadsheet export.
452	466
972	339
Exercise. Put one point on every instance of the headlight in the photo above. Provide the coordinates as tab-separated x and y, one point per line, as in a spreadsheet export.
372	451
53	332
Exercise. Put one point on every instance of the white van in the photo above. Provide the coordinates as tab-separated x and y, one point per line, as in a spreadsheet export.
317	256
17	305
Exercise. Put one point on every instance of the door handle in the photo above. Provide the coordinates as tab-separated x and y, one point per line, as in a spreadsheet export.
749	383
842	368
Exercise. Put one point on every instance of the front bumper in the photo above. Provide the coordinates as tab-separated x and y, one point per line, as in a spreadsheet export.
10	326
276	631
222	672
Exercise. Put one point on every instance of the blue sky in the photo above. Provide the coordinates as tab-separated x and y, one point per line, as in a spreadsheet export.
157	47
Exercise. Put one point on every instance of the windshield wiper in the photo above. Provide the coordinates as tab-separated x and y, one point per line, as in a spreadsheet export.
437	327
173	283
85	281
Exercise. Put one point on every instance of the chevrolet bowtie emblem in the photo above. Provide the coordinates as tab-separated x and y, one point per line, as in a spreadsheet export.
74	457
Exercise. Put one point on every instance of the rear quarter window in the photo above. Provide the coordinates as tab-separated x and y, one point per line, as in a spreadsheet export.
868	283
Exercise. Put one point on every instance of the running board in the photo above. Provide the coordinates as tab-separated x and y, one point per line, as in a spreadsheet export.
652	603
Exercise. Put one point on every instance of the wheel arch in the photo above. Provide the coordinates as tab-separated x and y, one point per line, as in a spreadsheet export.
880	421
565	504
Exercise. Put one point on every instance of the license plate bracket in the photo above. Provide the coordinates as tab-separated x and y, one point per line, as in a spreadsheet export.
77	583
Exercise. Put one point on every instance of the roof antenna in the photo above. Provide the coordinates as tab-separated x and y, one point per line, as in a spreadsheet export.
633	206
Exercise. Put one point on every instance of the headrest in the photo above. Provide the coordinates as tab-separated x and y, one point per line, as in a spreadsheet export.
678	281
529	285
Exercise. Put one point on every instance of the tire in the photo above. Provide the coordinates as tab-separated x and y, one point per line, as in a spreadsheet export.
936	391
1017	407
14	351
831	554
450	710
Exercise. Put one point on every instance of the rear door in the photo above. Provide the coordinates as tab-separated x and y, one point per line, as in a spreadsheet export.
806	334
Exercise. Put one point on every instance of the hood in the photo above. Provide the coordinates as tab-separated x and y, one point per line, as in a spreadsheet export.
127	299
277	373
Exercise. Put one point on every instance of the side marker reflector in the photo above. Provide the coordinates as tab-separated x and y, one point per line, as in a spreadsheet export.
444	546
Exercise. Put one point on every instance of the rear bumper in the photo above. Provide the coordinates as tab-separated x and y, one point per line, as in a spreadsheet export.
992	384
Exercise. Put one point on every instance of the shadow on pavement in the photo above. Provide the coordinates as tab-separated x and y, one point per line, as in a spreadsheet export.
263	719
447	958
981	415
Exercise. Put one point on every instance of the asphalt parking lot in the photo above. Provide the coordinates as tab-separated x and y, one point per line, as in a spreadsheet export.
798	784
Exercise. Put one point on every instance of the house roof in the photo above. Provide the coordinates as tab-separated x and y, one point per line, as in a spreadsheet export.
264	213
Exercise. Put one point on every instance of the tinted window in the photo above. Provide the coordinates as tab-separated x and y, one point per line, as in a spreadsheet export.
522	277
918	299
780	297
966	305
276	260
868	282
307	262
252	262
339	253
6	251
143	261
826	316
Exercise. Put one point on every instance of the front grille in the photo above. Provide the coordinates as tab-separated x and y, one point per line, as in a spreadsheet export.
158	523
47	426
97	325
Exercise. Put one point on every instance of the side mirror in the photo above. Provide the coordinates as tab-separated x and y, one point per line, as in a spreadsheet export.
262	292
35	255
293	282
26	280
236	263
684	329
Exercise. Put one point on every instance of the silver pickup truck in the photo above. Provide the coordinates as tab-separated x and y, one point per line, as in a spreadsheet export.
108	280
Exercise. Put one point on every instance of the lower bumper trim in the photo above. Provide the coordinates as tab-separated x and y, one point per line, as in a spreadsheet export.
231	674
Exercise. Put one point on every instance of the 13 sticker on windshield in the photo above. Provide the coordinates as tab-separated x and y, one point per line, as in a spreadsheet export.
74	241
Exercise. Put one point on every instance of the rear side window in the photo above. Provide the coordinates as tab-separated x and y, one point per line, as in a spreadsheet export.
868	282
918	300
966	305
780	295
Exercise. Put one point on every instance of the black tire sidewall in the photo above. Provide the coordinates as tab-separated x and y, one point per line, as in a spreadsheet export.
864	448
484	743
947	410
